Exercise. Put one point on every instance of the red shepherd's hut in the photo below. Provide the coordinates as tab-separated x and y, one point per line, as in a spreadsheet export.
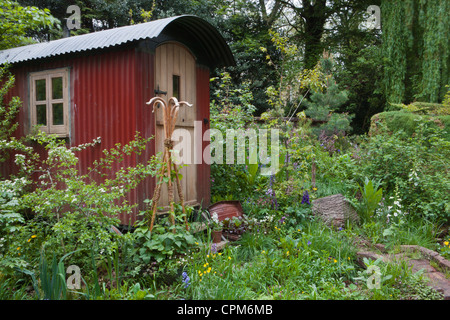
97	85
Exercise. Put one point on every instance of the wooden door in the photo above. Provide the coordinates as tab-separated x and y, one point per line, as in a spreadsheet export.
175	77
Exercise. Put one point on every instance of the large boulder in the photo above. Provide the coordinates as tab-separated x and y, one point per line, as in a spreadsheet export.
334	210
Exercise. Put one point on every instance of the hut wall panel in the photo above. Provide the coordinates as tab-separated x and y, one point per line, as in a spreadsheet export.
203	169
145	120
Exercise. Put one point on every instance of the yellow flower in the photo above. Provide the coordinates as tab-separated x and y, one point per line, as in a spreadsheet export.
315	189
229	258
446	243
33	236
29	240
287	253
196	243
18	248
220	253
264	251
334	260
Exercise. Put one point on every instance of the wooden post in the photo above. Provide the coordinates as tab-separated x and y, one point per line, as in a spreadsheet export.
170	113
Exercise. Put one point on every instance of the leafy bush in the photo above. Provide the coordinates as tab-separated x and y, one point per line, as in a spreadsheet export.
165	241
68	209
415	164
408	122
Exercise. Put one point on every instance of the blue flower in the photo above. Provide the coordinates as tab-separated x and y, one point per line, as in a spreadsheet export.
185	279
269	192
305	198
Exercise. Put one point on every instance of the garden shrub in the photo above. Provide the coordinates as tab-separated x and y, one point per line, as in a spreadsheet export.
415	164
231	108
165	241
69	210
408	122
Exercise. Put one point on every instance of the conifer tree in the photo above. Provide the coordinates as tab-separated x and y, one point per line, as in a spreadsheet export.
323	106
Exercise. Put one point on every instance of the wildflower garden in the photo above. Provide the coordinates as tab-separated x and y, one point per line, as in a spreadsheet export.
395	176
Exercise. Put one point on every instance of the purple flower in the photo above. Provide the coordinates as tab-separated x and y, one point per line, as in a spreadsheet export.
309	242
185	279
305	198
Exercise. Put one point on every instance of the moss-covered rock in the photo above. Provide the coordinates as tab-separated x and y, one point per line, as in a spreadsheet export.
407	121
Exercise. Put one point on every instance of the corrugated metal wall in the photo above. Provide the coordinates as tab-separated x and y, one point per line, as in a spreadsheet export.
204	169
144	75
104	105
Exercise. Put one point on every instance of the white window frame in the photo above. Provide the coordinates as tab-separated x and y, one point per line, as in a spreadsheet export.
50	128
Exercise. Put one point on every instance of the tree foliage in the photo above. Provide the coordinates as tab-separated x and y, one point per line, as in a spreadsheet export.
417	52
17	23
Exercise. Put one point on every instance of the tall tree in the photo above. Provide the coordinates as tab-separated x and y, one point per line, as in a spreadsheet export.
308	22
416	46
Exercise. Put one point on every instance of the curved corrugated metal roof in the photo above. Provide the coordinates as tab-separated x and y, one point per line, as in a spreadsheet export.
207	37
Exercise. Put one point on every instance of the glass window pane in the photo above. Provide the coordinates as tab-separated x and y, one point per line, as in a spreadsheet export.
58	114
41	115
176	86
57	88
40	90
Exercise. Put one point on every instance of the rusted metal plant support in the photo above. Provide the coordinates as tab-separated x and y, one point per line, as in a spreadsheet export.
170	113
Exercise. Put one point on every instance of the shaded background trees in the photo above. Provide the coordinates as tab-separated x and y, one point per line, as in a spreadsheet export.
407	59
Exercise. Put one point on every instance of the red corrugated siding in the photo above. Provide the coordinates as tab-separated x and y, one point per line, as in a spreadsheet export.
203	170
103	105
144	75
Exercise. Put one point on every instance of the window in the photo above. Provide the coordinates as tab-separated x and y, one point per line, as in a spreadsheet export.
176	86
49	101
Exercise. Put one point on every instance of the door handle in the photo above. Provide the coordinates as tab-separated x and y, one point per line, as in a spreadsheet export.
157	91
